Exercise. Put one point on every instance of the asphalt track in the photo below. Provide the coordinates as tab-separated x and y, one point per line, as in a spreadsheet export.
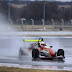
9	51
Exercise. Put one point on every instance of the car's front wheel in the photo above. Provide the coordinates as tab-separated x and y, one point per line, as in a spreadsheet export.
60	52
35	53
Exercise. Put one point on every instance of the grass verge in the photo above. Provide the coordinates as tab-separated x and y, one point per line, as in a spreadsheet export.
15	69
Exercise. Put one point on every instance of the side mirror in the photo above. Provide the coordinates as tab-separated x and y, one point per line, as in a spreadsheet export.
51	46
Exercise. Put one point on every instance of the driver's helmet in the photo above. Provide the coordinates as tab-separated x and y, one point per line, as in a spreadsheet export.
42	44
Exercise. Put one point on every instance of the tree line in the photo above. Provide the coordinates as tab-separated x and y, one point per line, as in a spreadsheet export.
34	10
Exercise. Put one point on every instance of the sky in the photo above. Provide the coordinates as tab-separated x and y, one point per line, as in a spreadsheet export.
38	0
54	0
63	0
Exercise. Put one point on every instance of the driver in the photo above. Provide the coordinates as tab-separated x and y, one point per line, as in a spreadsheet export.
42	43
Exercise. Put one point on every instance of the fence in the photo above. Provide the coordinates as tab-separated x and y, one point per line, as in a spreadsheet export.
35	25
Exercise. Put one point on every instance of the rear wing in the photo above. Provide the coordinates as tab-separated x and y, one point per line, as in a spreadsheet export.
31	40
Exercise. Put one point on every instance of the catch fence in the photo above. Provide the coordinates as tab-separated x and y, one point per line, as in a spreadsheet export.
35	25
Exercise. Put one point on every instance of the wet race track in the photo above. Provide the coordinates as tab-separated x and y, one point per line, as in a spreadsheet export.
9	51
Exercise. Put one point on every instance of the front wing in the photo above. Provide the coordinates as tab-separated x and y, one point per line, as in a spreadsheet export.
58	57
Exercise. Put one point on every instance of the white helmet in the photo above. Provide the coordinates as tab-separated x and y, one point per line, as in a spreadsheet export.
42	44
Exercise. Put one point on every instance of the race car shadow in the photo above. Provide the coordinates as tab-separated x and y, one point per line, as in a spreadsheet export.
48	60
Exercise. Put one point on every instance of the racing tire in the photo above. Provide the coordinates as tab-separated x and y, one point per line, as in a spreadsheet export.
21	52
35	53
60	52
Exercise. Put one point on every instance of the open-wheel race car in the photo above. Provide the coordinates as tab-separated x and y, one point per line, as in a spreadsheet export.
41	50
44	51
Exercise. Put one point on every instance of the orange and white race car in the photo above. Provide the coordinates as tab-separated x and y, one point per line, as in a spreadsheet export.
41	50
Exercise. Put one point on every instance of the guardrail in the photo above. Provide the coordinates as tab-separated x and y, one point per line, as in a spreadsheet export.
63	26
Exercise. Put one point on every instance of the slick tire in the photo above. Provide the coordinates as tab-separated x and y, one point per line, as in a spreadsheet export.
35	53
60	52
21	52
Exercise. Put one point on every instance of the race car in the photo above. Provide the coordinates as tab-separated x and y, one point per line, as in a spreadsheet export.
41	50
44	51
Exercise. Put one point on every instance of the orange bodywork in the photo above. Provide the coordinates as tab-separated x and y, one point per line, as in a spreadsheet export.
49	49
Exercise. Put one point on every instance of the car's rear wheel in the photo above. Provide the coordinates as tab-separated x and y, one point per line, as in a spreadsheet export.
60	52
21	52
35	53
